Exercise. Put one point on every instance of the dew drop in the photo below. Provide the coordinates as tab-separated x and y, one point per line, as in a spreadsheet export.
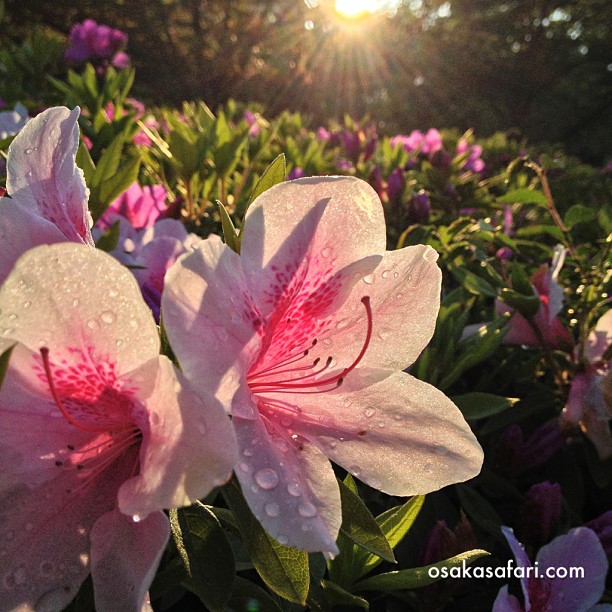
113	293
307	510
154	418
381	424
294	489
282	539
254	488
13	317
286	422
395	274
369	279
266	478
333	443
384	334
247	452
27	304
119	342
306	527
28	151
272	510
369	412
245	467
385	274
107	317
430	255
327	252
355	470
76	302
327	342
133	323
92	324
136	518
342	324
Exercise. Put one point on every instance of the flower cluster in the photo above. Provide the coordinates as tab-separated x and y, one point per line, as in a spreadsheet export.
90	41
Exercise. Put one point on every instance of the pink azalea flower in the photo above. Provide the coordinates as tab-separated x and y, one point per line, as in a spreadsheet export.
141	206
589	403
545	286
578	548
48	201
98	434
304	336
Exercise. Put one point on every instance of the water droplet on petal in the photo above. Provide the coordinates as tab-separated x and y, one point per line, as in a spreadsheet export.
384	334
133	323
113	293
247	452
13	317
307	510
92	324
326	252
27	304
154	418
369	279
395	274
282	539
272	510
294	489
369	412
385	274
286	422
76	302
381	424
355	470
327	342
245	467
107	317
430	255
28	151
136	518
342	324
266	478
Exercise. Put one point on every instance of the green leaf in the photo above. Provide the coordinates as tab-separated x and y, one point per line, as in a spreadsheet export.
395	524
248	596
537	230
108	162
528	306
361	527
520	280
480	405
480	510
113	187
578	214
85	163
275	173
109	239
229	231
337	596
4	362
523	196
209	555
419	576
284	570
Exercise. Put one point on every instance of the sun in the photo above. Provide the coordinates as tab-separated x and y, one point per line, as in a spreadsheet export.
356	8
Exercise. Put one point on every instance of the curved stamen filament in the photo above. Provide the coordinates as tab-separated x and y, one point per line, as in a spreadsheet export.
56	398
295	358
294	385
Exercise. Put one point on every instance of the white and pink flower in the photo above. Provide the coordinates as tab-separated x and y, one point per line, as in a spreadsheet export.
303	337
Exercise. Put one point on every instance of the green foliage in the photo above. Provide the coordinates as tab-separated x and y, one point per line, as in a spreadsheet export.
5	357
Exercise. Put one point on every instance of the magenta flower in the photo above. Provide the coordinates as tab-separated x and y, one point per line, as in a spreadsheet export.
97	434
141	206
545	286
540	513
579	548
90	41
472	163
411	142
304	336
48	194
589	402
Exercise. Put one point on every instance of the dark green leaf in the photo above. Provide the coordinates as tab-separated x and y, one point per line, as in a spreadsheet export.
210	559
523	196
480	510
337	596
361	527
4	362
114	186
520	280
395	524
284	570
528	306
480	405
108	162
275	173
229	231
85	163
419	576
248	596
578	214
109	239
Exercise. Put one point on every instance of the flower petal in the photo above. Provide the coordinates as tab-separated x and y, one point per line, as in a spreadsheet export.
77	301
504	602
400	435
44	536
43	177
599	339
522	560
206	305
124	557
20	230
289	486
183	426
301	231
580	548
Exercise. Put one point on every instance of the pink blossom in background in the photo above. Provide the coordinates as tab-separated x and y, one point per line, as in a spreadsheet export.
48	201
410	142
545	286
92	41
473	163
141	206
303	337
589	402
581	548
97	434
295	173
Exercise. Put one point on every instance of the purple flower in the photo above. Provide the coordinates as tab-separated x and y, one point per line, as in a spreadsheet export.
395	185
579	548
540	513
419	207
410	142
472	163
376	181
295	173
251	119
90	41
141	206
443	542
12	121
602	526
432	142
